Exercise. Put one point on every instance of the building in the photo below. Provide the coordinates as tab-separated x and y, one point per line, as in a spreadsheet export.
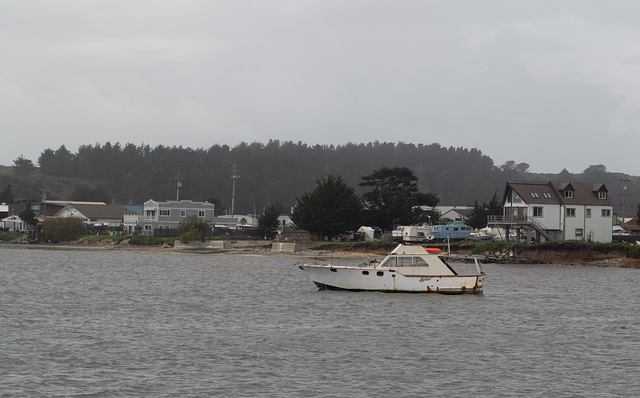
13	224
46	208
95	214
456	214
556	210
163	218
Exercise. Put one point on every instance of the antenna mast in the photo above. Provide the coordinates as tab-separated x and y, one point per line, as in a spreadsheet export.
624	192
235	174
179	179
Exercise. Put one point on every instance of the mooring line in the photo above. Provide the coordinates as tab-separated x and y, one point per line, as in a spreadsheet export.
294	264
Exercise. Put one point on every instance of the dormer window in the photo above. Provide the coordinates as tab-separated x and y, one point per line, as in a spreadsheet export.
602	194
568	194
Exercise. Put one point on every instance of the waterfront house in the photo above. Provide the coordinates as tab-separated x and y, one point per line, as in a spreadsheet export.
94	214
46	208
13	224
163	218
556	210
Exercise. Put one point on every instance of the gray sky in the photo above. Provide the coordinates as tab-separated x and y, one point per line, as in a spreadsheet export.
554	84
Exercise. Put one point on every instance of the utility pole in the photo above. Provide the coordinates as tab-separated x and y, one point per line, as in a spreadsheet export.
44	201
235	174
624	192
179	179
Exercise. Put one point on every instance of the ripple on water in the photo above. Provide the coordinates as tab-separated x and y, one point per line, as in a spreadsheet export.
153	324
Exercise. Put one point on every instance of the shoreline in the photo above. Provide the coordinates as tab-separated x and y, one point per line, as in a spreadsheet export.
240	250
264	248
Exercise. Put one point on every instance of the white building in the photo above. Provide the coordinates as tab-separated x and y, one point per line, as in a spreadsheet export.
557	210
14	224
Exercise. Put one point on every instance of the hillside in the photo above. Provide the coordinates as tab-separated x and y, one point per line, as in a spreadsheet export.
277	171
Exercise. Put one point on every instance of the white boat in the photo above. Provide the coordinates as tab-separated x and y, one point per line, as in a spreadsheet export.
408	268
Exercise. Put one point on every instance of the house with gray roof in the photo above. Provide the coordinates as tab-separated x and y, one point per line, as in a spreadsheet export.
95	213
557	210
160	217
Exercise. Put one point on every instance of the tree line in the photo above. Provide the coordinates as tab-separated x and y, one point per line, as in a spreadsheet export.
272	172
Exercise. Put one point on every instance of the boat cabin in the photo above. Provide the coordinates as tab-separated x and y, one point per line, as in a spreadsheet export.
417	261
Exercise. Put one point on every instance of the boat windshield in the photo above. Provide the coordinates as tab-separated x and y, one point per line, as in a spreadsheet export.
405	261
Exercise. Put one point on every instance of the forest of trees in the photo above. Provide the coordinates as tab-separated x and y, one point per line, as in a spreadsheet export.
272	172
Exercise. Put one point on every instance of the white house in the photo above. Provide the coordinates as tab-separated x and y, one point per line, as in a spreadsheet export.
557	210
94	213
14	224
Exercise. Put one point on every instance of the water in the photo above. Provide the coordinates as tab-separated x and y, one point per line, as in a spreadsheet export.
94	323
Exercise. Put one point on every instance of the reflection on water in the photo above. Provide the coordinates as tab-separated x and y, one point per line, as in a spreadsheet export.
157	324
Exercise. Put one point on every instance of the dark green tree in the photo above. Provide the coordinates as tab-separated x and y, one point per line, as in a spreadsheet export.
394	198
478	216
23	166
494	207
268	222
193	228
331	209
29	217
58	163
218	208
86	193
6	196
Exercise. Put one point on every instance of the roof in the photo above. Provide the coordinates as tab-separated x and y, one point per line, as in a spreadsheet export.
100	210
533	192
463	212
553	192
74	202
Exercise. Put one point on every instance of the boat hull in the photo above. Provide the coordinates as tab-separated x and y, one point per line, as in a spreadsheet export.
389	280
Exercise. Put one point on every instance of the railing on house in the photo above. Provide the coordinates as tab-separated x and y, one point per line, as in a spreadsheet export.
512	220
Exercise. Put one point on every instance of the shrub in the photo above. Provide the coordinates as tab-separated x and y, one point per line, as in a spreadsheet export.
140	240
633	251
63	229
190	236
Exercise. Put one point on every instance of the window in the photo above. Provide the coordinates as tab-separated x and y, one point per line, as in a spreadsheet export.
183	213
537	211
546	195
602	195
568	194
516	198
535	195
578	232
200	213
606	213
588	213
570	212
165	212
150	214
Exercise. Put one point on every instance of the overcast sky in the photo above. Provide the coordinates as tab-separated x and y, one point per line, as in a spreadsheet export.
555	84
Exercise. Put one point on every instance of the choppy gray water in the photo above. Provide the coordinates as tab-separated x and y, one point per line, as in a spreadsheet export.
156	324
